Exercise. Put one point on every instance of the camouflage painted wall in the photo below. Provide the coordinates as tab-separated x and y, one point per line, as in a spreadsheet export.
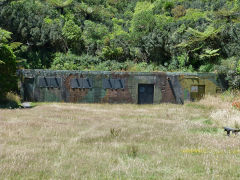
168	87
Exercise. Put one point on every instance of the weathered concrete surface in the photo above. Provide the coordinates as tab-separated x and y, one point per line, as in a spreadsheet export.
168	87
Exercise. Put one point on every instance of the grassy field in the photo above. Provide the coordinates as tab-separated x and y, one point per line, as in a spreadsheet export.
103	141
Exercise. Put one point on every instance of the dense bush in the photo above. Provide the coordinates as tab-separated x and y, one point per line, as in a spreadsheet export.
71	61
230	68
172	35
10	100
8	79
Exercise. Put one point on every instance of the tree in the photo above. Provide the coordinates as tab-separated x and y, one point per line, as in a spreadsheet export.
117	43
60	4
8	79
72	33
143	21
93	35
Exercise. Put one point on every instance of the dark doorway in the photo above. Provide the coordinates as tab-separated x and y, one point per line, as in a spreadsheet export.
145	93
28	89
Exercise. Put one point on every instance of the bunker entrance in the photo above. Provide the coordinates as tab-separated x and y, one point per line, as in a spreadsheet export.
145	93
197	92
28	89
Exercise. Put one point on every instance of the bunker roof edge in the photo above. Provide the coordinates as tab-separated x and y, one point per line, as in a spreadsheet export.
34	71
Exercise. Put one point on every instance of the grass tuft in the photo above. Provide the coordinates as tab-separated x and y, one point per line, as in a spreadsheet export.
132	151
208	122
115	132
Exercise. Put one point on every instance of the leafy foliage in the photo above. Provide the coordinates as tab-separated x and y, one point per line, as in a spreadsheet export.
171	35
8	80
60	3
230	67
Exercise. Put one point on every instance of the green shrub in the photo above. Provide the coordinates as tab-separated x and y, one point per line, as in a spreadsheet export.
229	67
178	11
238	67
70	61
10	100
230	95
8	79
206	68
168	5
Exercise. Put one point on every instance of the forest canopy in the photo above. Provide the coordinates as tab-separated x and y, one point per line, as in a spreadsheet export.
130	35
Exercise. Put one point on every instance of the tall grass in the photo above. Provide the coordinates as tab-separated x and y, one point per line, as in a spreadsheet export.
105	141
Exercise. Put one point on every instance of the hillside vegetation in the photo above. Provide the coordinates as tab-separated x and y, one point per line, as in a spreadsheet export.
133	35
102	141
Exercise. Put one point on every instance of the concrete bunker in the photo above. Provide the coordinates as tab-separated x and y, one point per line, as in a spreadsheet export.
116	87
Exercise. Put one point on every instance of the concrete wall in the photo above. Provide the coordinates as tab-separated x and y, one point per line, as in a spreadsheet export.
168	87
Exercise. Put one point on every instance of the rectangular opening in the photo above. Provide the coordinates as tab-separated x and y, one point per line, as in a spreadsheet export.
55	82
113	83
145	93
49	82
197	92
43	82
28	85
81	83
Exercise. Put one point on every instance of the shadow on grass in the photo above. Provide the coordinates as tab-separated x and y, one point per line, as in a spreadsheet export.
9	105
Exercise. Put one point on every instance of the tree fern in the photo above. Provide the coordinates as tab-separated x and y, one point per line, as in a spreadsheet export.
60	3
197	36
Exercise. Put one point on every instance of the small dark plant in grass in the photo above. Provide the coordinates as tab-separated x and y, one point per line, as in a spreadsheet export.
132	151
115	132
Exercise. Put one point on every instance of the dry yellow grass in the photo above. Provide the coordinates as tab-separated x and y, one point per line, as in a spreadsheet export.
104	141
